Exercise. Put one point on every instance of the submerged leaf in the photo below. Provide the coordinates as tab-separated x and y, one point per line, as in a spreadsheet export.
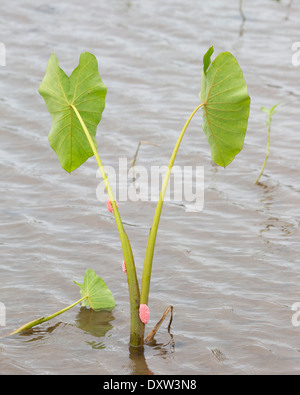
226	106
85	90
98	296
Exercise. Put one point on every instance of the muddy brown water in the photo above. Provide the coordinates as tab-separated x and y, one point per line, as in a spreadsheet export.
231	271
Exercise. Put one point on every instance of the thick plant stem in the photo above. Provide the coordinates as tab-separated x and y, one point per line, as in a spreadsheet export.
137	327
145	286
44	319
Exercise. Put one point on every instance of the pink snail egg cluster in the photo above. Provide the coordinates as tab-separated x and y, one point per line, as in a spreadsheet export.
109	205
144	313
124	267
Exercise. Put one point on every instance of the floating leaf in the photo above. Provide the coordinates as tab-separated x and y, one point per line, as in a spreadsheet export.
98	296
226	106
85	90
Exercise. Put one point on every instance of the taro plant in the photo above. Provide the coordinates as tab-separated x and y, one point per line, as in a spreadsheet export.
270	112
76	104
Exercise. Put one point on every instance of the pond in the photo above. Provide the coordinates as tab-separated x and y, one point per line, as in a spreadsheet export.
231	269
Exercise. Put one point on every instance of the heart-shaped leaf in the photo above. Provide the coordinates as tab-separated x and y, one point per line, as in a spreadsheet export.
85	90
226	106
97	294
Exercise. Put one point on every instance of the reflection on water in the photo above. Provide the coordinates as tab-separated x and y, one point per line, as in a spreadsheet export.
138	364
39	332
97	323
138	356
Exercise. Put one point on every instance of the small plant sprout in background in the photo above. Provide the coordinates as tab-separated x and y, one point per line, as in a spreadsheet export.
270	112
133	162
241	10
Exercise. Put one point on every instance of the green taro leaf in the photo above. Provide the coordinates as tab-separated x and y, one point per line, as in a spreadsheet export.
226	106
85	90
98	296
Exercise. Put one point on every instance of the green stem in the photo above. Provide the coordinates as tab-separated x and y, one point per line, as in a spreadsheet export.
267	154
145	286
137	327
44	319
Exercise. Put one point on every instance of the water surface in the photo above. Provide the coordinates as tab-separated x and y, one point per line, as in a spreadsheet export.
231	271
